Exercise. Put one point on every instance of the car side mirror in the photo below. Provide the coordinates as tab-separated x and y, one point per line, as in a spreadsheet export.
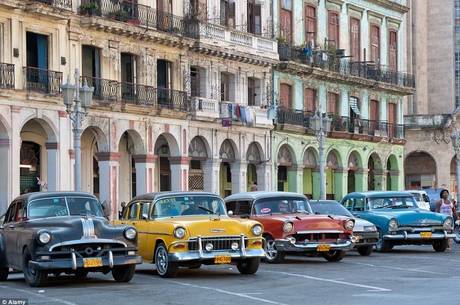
230	213
106	208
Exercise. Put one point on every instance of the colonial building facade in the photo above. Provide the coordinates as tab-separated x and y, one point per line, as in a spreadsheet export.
181	96
345	59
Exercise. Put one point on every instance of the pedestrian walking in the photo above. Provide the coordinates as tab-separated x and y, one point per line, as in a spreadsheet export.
445	206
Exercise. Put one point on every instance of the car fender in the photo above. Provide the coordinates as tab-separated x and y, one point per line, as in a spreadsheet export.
3	259
380	221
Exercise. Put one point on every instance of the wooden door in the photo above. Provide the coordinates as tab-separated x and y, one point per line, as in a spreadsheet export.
333	28
355	39
332	103
285	96
310	24
286	25
309	104
393	50
374	116
375	44
392	118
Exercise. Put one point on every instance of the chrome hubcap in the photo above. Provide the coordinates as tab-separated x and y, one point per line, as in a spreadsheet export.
162	260
270	249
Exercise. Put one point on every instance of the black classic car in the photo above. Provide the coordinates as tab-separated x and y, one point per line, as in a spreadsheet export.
49	233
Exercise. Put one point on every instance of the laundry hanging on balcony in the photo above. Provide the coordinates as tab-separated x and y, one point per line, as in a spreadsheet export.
354	106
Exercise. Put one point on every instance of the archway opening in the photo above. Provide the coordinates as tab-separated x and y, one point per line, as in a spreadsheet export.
286	178
197	153
162	150
310	164
374	178
127	167
228	156
333	176
254	171
353	175
5	166
392	174
90	181
420	171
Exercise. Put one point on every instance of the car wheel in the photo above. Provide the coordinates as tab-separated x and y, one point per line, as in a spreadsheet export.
365	250
123	274
35	278
334	256
81	274
249	265
165	268
272	255
4	273
382	245
440	245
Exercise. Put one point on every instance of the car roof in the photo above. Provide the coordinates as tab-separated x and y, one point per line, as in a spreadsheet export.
417	191
323	201
40	195
373	194
157	195
261	194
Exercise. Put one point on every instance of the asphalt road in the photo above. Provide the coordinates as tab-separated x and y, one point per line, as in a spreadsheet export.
408	275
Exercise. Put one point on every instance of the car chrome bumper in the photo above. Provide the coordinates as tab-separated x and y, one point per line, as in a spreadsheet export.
416	236
286	245
365	238
201	254
74	262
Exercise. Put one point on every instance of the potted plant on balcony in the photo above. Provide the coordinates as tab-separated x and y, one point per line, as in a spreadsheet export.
89	8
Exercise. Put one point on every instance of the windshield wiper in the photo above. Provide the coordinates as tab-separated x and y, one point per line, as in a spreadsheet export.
206	209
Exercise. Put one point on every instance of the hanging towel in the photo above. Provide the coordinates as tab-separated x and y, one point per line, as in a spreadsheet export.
238	111
230	110
243	117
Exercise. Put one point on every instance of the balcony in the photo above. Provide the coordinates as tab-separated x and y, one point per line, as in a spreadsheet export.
42	81
428	121
108	92
64	4
345	67
6	76
139	15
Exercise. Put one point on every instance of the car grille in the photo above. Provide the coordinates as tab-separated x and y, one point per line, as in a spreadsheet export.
312	237
221	243
86	250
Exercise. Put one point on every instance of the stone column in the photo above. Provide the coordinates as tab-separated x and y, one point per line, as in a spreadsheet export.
52	166
179	173
211	169
145	171
108	180
263	177
15	160
379	180
394	184
239	177
341	183
295	179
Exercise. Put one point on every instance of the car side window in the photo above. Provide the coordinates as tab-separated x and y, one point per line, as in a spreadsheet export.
11	213
348	204
231	206
244	208
21	211
145	207
359	205
133	211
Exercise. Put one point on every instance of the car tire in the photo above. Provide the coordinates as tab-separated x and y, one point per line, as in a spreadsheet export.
272	255
81	274
4	273
334	256
165	268
382	245
123	274
249	265
440	245
365	250
35	278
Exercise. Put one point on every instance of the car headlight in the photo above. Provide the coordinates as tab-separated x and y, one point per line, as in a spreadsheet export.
370	228
130	233
349	224
257	230
288	227
393	225
448	223
179	232
44	238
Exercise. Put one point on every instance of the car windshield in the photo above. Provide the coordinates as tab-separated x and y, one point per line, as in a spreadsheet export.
188	205
329	208
417	196
268	206
392	202
64	206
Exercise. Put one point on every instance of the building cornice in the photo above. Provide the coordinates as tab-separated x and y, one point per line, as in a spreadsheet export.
389	4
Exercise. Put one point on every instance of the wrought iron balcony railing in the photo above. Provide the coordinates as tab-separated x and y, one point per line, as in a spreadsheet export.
294	117
41	80
367	127
324	60
6	76
65	4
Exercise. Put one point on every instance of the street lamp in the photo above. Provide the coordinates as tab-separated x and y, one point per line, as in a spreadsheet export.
77	99
321	124
455	136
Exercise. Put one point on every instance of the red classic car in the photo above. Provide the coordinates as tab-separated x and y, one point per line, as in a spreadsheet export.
291	227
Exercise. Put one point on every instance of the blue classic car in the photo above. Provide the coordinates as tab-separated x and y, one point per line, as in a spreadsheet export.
399	220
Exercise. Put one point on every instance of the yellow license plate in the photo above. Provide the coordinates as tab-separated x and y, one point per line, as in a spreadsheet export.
323	248
222	259
92	262
425	235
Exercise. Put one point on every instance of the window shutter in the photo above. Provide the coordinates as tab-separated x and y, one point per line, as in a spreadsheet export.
258	19
391	113
393	50
375	44
285	96
333	28
286	24
332	103
231	14
310	100
355	37
310	23
374	110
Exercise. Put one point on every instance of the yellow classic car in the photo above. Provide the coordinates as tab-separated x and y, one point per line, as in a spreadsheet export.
187	229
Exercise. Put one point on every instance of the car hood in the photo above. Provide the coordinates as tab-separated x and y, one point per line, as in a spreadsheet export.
359	223
211	225
412	217
307	222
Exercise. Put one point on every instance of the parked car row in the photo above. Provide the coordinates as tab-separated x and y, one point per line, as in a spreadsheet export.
50	233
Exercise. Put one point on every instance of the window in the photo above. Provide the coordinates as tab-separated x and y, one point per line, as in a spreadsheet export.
37	51
254	94
133	211
374	110
309	104
375	44
332	103
254	17
393	50
91	65
286	20
285	96
333	28
244	208
227	13
231	206
145	206
355	39
348	204
164	77
359	205
198	8
227	87
310	24
195	81
188	205
11	213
